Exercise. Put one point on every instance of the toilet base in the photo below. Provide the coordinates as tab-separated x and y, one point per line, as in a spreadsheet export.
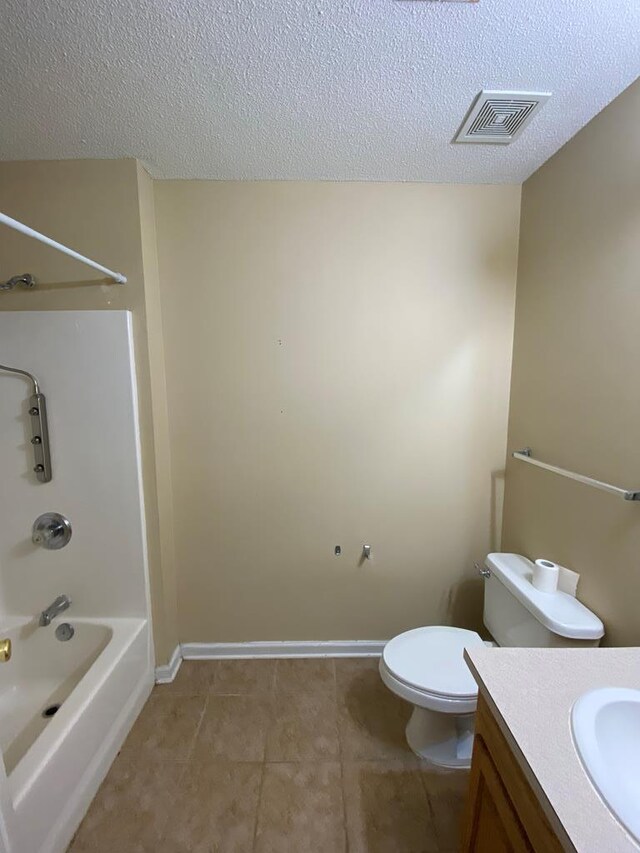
445	740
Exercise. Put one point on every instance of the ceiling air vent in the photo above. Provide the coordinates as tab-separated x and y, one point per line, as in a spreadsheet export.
500	117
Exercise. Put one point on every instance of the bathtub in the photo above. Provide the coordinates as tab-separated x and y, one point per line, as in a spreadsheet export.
98	681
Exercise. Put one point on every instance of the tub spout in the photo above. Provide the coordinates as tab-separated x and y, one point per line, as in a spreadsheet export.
62	603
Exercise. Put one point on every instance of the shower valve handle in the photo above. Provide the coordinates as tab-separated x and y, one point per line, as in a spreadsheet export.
51	530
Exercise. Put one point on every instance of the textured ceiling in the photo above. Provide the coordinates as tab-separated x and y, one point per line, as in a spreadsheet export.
309	89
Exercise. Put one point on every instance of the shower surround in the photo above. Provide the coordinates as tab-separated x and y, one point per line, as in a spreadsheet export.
100	678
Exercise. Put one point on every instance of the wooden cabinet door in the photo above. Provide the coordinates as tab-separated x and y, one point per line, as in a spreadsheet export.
492	825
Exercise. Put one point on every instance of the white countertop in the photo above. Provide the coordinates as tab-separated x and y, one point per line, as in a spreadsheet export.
531	692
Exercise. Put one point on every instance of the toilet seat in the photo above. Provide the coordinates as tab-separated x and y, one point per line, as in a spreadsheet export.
427	664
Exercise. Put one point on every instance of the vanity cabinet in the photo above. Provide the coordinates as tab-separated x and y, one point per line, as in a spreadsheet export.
502	814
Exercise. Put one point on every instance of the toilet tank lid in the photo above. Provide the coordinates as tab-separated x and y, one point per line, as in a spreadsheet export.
559	612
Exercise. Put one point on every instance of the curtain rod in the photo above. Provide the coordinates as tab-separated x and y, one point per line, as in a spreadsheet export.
24	229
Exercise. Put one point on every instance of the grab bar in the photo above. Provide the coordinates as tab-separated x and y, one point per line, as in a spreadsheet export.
524	455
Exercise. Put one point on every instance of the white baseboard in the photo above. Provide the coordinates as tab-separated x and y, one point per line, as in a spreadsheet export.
168	671
285	649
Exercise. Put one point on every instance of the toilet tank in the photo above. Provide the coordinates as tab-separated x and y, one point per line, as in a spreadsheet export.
517	614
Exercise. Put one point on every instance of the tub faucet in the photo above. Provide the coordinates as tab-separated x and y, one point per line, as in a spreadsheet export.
62	602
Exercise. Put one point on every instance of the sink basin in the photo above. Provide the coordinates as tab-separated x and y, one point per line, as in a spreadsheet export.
606	732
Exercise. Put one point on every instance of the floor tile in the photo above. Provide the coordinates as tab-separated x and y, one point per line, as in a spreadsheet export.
371	719
234	728
297	677
130	809
447	791
301	809
244	677
194	678
214	810
166	728
192	777
387	808
348	669
303	728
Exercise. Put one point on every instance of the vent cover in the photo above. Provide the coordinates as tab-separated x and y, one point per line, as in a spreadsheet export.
500	117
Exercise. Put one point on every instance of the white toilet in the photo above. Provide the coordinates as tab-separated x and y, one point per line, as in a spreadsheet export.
425	666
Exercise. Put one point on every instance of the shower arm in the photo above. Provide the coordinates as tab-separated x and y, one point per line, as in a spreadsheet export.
34	381
24	280
39	426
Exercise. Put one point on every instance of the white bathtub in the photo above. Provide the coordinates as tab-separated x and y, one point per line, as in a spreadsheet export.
100	678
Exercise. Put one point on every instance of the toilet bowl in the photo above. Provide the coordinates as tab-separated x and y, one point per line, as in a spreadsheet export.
426	667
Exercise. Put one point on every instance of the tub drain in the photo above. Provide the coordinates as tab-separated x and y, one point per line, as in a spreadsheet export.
50	711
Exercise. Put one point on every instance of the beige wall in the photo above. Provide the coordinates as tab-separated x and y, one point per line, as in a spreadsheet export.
575	394
163	570
338	361
105	210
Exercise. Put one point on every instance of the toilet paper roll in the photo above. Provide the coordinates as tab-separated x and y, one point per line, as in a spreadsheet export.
545	575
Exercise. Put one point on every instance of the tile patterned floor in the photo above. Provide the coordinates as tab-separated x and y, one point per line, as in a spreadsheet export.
288	756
